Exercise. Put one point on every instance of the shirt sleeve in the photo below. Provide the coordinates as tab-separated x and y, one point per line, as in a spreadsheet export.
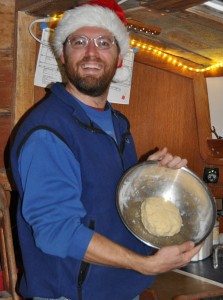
51	182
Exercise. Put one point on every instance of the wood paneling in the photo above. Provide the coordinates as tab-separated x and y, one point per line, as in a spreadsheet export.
7	13
168	109
6	73
6	78
172	5
162	113
5	128
44	7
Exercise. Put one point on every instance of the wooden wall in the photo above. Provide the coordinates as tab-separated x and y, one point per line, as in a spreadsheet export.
169	107
7	9
162	113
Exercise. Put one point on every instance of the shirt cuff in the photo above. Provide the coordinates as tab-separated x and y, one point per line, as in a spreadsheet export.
79	245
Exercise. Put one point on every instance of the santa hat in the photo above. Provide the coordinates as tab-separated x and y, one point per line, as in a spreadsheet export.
106	14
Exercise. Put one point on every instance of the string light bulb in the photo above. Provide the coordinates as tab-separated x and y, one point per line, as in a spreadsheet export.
136	26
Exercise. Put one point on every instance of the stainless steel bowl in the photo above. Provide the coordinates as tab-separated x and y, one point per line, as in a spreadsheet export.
182	187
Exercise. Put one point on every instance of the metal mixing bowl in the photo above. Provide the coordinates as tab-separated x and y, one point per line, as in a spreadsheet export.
182	187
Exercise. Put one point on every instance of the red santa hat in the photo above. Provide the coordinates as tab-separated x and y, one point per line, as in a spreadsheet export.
106	14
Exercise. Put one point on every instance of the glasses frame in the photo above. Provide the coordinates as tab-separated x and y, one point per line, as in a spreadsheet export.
88	40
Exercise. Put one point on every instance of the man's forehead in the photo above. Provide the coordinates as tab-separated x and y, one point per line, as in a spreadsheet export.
91	31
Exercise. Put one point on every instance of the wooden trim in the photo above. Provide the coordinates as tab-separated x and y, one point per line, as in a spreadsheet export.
5	112
214	73
204	12
24	67
202	115
7	250
172	5
4	182
204	295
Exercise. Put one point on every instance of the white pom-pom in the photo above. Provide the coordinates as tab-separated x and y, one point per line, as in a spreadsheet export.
122	74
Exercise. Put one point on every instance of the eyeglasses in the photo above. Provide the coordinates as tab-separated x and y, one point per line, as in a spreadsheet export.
103	42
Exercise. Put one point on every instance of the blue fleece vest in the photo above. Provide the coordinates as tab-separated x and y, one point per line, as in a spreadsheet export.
102	162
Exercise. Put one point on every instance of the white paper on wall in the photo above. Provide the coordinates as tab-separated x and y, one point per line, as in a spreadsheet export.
120	92
49	70
215	97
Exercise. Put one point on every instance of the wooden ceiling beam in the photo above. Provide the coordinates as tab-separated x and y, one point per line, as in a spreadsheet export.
44	8
171	5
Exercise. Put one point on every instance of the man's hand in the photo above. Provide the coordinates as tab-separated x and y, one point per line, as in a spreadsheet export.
169	258
167	159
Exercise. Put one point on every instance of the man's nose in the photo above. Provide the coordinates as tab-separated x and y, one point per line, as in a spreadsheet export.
91	47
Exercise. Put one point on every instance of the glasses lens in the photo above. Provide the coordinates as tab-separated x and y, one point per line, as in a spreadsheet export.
104	42
77	42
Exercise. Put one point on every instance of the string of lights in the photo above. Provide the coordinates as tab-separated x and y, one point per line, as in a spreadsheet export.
170	58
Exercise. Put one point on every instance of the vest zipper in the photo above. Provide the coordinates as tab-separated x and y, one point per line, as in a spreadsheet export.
122	146
83	271
98	130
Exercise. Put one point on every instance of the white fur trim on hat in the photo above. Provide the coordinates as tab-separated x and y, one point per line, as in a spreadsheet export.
92	16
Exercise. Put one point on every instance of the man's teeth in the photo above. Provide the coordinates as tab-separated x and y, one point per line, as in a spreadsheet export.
87	66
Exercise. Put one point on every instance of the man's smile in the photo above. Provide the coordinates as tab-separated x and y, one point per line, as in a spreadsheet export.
89	65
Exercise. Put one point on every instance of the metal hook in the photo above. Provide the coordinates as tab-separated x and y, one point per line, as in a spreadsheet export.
213	130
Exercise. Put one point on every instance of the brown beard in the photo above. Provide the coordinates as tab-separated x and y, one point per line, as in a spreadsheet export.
90	85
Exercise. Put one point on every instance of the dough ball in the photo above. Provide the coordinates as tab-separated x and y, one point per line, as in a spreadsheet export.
160	217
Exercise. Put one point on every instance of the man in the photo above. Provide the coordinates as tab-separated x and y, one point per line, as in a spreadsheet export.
67	159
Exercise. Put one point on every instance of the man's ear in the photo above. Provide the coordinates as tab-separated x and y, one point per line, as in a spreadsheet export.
120	61
62	57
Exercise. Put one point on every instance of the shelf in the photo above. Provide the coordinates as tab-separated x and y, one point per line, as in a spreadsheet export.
216	147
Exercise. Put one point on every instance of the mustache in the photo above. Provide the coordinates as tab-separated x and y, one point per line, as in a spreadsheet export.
91	59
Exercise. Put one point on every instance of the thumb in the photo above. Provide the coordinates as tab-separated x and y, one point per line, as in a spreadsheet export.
158	155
